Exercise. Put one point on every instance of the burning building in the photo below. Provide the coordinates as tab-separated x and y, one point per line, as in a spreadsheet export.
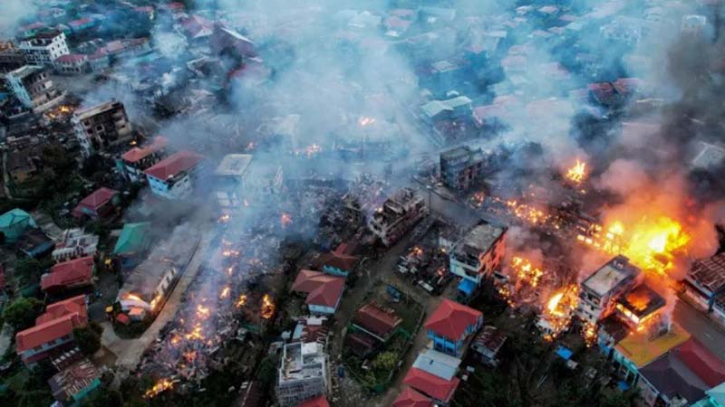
303	373
34	88
462	167
152	281
640	306
102	126
397	215
479	253
600	291
705	285
135	161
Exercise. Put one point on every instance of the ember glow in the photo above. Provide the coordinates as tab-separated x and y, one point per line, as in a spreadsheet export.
241	301
225	293
526	272
557	314
285	220
134	297
578	173
527	213
202	311
158	388
267	309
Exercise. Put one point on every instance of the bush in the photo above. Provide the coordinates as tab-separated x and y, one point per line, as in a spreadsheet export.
87	340
22	312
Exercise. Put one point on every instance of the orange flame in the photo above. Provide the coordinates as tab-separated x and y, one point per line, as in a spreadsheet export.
577	173
158	388
267	307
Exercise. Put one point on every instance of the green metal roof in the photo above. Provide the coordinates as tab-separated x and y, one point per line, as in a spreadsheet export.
133	238
14	223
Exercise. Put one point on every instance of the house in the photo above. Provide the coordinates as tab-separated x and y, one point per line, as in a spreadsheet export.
80	25
462	167
231	175
135	161
43	48
715	397
14	223
441	390
397	215
319	401
196	27
172	177
450	325
100	204
487	345
34	88
231	44
68	275
303	374
411	398
449	109
151	282
75	382
75	243
132	243
338	262
479	253
34	243
99	61
71	64
323	291
102	126
705	285
601	290
377	321
681	376
53	330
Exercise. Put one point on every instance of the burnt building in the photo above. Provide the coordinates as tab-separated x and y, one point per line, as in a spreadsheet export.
102	126
397	215
34	88
705	285
479	253
44	48
601	290
461	168
639	306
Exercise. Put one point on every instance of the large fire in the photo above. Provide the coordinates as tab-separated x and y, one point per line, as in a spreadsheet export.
557	314
267	309
578	173
158	388
526	212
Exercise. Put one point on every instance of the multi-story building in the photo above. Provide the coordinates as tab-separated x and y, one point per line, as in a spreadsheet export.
10	57
135	161
173	177
397	215
75	243
451	325
231	174
479	253
53	331
461	167
71	64
601	290
302	373
34	88
44	48
102	126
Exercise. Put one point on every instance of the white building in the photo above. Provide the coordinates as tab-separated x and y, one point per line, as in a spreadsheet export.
32	86
231	174
75	243
173	177
71	64
479	253
302	373
601	290
101	126
44	48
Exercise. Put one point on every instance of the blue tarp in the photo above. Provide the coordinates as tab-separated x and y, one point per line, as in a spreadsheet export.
466	286
624	386
564	352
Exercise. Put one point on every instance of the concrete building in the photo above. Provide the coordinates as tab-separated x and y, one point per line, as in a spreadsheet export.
449	109
705	285
451	325
34	88
302	374
75	243
461	168
135	161
231	174
71	64
600	291
479	253
173	177
397	215
44	48
102	126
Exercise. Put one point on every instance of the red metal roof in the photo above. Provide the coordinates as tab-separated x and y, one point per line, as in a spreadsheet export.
340	261
72	273
379	321
175	164
431	385
451	319
319	401
58	321
97	199
322	289
138	153
411	398
707	366
80	22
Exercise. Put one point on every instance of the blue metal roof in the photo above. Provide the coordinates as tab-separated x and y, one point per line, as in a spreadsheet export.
467	286
564	352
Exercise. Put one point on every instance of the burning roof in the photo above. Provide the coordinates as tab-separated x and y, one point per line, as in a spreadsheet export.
641	302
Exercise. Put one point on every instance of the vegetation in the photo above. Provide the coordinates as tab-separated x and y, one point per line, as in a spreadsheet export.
22	312
87	339
29	270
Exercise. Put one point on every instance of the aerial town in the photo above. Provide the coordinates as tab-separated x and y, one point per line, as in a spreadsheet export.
397	203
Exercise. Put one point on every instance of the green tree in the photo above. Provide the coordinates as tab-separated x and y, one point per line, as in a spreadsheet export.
385	361
21	313
103	397
616	399
29	269
87	339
